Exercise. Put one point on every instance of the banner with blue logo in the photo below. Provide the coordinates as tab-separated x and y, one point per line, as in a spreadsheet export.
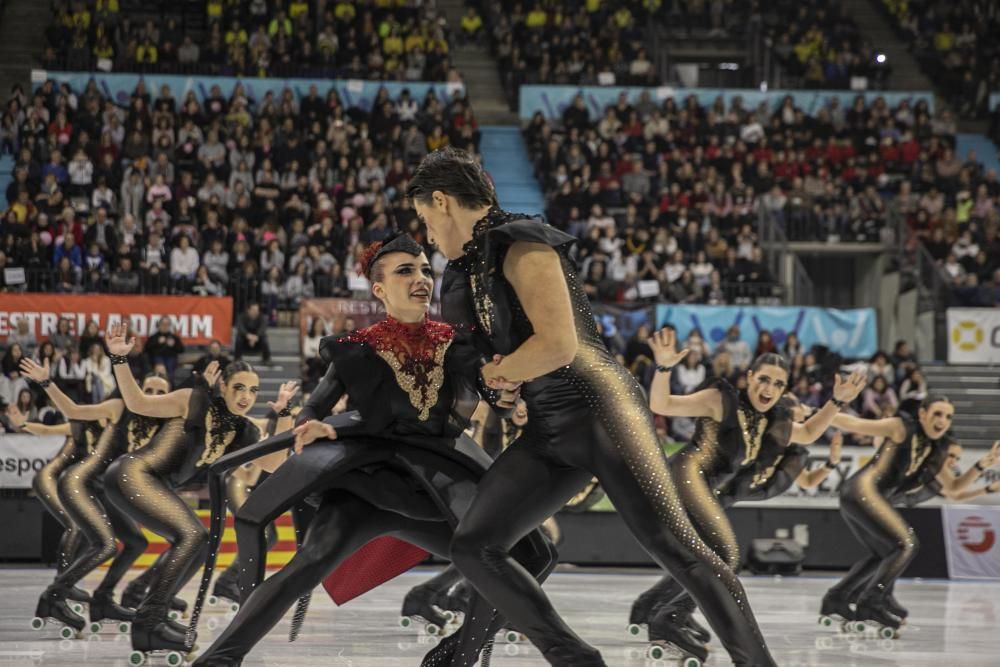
353	93
850	333
553	100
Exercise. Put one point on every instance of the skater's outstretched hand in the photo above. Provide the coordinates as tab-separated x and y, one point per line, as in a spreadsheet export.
664	346
17	418
991	457
212	373
310	432
285	393
117	340
847	390
33	371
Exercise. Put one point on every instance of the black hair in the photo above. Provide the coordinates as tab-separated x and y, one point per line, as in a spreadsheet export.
235	367
769	359
931	399
157	374
454	172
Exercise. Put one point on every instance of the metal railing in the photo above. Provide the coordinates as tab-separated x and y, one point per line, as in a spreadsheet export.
784	265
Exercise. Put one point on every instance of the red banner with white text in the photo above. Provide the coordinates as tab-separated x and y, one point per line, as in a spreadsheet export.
196	319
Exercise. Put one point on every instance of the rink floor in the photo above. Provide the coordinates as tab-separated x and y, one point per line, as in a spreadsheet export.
951	623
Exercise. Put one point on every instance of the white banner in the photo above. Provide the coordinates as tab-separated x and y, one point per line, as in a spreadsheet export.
974	335
970	537
21	456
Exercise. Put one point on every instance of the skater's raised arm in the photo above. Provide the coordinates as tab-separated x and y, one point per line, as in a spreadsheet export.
111	409
20	421
952	484
969	494
535	272
174	404
705	403
891	428
283	423
844	391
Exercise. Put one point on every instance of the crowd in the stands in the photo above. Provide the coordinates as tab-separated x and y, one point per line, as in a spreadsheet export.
404	41
956	44
666	197
267	199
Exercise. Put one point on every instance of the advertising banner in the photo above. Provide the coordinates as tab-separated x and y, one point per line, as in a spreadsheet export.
22	456
970	535
553	100
196	319
973	335
850	333
353	93
342	315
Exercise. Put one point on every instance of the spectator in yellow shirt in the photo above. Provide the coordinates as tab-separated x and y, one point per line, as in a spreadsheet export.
214	10
945	39
392	45
297	7
622	17
536	18
414	42
236	35
146	53
472	25
280	22
344	11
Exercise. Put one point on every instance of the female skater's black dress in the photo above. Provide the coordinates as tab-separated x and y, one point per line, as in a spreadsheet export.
866	500
142	483
400	467
587	419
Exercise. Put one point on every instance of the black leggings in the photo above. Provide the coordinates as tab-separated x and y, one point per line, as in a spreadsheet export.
343	524
134	544
134	485
46	488
237	493
534	478
891	542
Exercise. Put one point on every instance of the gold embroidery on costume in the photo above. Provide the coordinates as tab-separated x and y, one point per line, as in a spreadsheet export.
421	384
483	304
216	443
764	475
752	440
919	451
140	431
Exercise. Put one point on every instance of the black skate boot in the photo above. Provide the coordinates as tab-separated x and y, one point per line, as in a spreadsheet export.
642	612
574	656
836	609
53	607
871	609
419	605
454	601
668	628
226	591
134	594
893	607
78	595
105	611
178	604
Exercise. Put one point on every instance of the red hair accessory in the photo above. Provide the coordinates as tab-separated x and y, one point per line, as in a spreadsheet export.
368	257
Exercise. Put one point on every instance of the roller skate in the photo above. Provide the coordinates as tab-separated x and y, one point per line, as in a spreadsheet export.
226	592
893	607
511	636
134	594
578	656
671	639
52	609
836	610
642	611
79	600
872	611
418	605
161	641
105	612
454	602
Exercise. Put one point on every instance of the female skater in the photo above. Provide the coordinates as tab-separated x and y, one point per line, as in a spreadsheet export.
80	439
411	381
199	429
81	488
588	418
912	455
664	607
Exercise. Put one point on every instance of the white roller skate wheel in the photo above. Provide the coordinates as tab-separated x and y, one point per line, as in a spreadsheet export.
511	649
95	627
212	600
212	623
860	627
67	632
887	645
37	623
405	621
174	615
656	652
825	621
633	629
234	607
886	632
449	616
124	628
77	608
136	658
432	629
691	661
175	659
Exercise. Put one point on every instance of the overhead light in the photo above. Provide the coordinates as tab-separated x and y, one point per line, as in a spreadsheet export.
880	58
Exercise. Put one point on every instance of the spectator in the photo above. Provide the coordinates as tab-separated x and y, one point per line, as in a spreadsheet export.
63	338
737	349
99	382
213	353
164	347
184	263
23	336
71	375
914	386
879	400
251	334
